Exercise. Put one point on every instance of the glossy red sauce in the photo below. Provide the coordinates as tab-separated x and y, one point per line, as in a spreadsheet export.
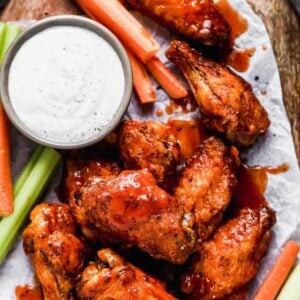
252	184
200	288
25	292
238	23
189	135
237	58
143	199
196	285
183	106
159	113
170	109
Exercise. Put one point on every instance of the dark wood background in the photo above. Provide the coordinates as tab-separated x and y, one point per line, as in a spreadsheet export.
278	15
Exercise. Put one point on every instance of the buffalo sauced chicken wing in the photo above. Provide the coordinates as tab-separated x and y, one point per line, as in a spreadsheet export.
58	256
131	209
227	102
111	277
195	20
149	145
206	185
230	259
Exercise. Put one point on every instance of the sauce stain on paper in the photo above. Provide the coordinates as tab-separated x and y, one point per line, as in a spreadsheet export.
252	184
237	58
26	292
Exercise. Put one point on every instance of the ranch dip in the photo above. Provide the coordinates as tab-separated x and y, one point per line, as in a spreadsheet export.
66	83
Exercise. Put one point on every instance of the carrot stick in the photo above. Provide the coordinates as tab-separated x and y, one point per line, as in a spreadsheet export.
275	279
8	32
114	15
141	81
174	88
6	191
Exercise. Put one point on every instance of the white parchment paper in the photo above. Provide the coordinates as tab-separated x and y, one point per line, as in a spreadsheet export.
275	148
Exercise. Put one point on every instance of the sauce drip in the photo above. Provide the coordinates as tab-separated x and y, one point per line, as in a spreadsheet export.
25	292
189	135
237	58
264	93
159	113
238	23
252	184
196	285
184	106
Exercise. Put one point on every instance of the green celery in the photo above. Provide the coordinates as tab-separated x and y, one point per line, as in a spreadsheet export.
11	31
27	170
2	35
291	289
28	194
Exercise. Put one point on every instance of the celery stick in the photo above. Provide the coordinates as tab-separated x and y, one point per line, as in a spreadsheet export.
27	170
2	35
11	32
291	289
31	190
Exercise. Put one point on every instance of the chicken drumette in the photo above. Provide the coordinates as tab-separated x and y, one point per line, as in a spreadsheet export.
227	262
206	185
57	254
131	209
195	20
77	172
113	278
227	102
149	145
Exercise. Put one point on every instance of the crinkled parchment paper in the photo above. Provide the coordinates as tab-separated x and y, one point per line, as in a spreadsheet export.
275	148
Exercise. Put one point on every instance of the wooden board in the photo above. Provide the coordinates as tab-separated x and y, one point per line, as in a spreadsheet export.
37	9
278	15
284	30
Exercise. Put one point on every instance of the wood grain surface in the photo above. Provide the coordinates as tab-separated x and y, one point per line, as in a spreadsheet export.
278	15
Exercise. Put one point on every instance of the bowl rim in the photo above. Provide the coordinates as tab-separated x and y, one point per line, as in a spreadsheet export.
66	20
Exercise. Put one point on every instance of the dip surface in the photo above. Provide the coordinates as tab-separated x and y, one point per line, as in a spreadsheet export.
66	83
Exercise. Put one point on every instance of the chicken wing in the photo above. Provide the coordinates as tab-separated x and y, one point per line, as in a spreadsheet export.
77	172
113	278
228	261
196	20
149	145
227	102
57	254
131	209
206	185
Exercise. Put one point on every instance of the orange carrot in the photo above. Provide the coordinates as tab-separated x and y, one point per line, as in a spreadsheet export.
6	191
275	279
174	88
114	15
141	81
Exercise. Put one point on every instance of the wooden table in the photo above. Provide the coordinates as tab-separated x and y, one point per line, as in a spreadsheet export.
278	15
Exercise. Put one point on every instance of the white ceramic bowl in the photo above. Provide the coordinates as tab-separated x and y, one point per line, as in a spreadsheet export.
66	21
